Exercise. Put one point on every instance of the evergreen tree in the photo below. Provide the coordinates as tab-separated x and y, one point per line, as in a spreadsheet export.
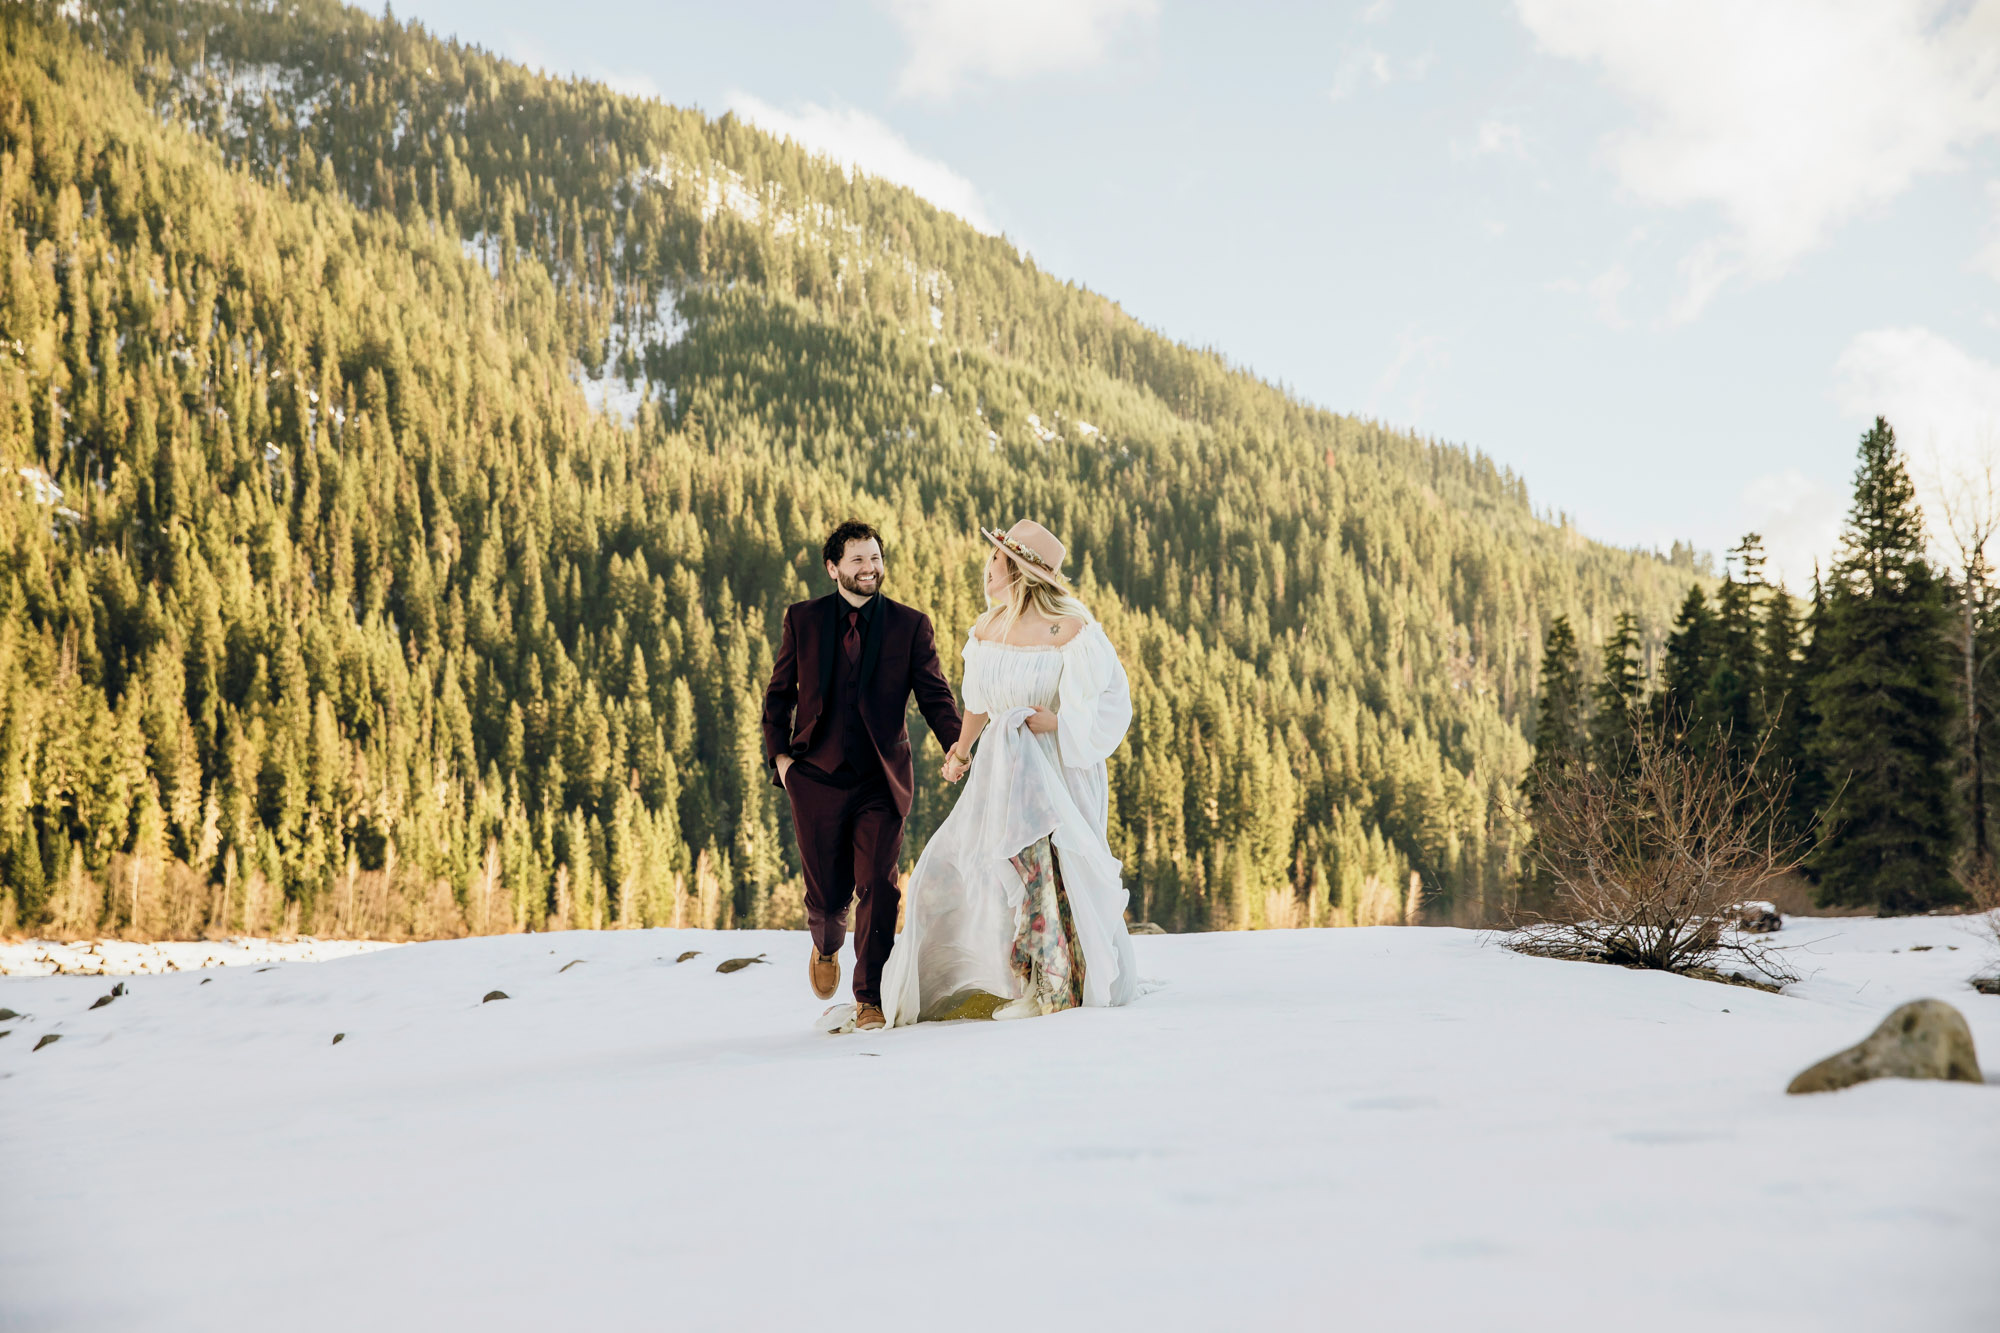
1618	696
1732	703
1980	723
1883	694
1687	665
1559	706
1791	658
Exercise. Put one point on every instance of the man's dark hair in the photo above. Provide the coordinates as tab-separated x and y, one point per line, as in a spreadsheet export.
851	531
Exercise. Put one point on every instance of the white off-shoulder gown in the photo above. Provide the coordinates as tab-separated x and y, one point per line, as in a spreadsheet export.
959	908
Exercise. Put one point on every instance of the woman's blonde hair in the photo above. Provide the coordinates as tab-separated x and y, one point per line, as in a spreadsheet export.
1024	590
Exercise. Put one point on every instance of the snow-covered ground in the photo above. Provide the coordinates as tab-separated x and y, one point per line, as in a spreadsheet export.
1341	1129
113	958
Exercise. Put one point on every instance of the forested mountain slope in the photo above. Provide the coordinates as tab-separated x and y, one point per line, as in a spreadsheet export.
414	454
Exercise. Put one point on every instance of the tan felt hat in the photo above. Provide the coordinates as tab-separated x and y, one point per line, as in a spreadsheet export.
1033	549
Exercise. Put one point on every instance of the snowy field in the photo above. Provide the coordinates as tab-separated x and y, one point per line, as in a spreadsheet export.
1341	1129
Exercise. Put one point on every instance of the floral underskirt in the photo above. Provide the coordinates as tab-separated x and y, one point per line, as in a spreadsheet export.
1046	960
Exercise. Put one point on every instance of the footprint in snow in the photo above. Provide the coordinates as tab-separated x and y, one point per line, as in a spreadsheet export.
737	964
691	953
494	995
571	963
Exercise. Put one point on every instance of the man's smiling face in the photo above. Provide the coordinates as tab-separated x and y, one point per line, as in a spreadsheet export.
860	567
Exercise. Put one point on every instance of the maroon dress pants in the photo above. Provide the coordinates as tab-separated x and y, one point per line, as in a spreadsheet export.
850	838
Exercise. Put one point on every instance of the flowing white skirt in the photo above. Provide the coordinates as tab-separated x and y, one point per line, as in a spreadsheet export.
958	917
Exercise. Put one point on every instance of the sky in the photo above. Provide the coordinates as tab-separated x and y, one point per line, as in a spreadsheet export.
1665	259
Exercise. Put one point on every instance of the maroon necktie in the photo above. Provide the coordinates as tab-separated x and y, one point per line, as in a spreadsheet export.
851	641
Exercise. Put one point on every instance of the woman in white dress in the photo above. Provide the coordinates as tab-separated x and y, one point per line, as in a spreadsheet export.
1018	898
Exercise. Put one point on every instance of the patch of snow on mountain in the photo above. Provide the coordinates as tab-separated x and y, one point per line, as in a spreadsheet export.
482	247
715	189
609	394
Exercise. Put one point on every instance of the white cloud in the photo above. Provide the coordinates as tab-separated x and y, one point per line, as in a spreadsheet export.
954	41
1987	261
1943	401
1603	291
1363	66
1799	519
1494	138
1786	116
1497	136
860	142
1934	392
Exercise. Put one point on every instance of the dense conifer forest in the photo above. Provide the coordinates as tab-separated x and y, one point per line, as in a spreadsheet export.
410	455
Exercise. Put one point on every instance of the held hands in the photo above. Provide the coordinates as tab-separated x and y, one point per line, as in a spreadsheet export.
956	765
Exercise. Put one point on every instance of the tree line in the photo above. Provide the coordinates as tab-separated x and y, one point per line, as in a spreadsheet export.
1869	699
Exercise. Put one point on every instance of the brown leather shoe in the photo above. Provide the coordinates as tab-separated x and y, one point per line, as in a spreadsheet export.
868	1017
823	970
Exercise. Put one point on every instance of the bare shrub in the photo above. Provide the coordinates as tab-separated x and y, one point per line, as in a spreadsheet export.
1982	884
1647	862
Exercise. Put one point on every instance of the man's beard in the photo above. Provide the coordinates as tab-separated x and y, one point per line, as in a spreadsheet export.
859	589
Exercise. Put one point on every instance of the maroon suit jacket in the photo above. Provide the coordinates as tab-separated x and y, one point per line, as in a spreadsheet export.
898	660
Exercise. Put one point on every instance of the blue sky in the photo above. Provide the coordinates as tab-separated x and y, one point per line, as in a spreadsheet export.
1665	260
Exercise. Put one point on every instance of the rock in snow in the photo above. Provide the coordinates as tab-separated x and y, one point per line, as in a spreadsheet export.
1922	1039
1758	918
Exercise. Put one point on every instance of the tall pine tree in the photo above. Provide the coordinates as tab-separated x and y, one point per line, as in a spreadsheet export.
1687	665
1559	729
1619	694
1791	660
1560	739
1732	704
1884	699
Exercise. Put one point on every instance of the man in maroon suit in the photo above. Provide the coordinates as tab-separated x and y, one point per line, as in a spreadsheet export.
835	741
